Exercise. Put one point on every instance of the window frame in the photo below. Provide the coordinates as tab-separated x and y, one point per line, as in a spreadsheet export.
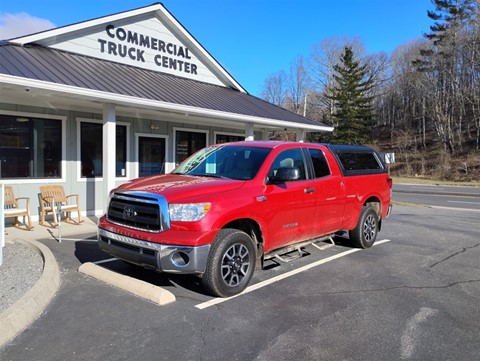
193	130
215	134
63	162
80	120
308	155
306	163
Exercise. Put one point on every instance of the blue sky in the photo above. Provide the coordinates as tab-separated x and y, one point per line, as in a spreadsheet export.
252	39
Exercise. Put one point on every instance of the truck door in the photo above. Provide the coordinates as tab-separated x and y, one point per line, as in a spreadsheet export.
289	206
329	193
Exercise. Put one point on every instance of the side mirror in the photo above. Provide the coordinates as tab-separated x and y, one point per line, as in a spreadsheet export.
286	174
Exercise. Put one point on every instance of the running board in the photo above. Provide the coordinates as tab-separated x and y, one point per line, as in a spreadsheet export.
282	253
325	246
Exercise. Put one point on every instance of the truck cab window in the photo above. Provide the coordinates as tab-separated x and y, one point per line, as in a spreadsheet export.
289	158
320	165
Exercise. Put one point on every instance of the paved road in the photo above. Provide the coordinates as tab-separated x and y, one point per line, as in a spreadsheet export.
440	196
412	298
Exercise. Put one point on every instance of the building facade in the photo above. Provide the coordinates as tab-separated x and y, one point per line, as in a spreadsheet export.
94	104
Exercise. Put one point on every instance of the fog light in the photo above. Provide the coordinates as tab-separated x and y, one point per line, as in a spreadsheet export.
180	259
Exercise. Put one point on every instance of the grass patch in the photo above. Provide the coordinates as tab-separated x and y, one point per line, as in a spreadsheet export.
421	180
406	204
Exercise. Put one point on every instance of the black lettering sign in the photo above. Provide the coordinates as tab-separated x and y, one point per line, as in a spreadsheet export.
132	38
122	35
180	52
131	53
172	64
102	45
122	50
112	48
140	55
144	41
161	46
193	69
109	31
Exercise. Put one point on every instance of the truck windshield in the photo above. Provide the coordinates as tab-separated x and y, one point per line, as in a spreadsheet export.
225	161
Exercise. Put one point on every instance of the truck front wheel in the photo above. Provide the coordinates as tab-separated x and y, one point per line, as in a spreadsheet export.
230	264
366	231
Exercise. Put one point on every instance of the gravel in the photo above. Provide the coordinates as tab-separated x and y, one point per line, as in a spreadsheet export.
22	266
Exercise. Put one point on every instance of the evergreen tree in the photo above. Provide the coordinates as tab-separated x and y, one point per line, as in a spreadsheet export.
449	18
353	109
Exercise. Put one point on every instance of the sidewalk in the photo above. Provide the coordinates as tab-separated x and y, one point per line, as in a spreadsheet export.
30	276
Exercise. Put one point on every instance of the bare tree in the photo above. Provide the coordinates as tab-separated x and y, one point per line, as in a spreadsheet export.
275	88
297	81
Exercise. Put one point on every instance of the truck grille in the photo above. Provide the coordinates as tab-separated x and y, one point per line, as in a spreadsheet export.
139	210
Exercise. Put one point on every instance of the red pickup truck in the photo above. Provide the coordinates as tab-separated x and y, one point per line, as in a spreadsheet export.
228	207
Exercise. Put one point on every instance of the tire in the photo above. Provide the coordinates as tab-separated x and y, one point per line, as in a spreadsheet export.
365	233
231	263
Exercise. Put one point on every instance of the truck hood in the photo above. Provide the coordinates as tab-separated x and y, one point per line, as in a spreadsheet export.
178	186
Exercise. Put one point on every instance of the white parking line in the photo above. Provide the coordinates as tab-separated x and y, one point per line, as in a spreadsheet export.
427	187
262	284
462	202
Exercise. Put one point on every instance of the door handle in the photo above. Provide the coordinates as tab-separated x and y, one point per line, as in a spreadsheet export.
309	190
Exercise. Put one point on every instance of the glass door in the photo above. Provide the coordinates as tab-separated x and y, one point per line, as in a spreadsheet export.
151	156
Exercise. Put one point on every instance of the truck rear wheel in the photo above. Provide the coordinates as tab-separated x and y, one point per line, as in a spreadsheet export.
365	233
230	264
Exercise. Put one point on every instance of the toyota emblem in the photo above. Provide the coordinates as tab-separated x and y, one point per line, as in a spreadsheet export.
128	212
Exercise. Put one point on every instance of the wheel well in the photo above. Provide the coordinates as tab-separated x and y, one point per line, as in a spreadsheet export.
250	227
375	203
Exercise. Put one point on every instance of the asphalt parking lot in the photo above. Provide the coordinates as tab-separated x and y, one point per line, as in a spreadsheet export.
413	297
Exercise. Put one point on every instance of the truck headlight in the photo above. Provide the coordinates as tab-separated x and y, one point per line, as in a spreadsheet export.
189	212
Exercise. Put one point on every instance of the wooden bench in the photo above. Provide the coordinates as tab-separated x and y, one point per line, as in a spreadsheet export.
13	210
53	197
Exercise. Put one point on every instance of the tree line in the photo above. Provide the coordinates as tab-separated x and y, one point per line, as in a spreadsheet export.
421	102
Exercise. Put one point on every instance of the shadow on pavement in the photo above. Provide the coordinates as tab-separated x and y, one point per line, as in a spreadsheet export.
88	251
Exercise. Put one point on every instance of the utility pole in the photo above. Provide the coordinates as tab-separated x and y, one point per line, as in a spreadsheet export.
305	106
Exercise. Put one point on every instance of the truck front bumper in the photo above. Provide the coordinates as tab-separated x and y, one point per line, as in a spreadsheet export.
161	257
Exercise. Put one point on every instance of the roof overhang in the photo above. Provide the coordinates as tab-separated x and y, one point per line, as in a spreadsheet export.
120	100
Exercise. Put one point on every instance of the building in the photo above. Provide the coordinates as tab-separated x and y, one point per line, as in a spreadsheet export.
96	103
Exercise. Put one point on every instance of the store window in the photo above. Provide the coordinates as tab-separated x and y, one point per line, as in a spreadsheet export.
30	147
187	143
121	151
227	138
91	149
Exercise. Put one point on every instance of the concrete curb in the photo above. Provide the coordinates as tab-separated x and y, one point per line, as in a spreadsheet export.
31	305
139	288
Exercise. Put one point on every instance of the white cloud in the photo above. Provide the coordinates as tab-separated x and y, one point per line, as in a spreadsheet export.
14	25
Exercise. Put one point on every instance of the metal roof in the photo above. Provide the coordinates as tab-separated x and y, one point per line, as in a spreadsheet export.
58	67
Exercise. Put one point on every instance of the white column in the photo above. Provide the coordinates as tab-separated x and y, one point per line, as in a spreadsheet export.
249	133
264	134
109	148
301	135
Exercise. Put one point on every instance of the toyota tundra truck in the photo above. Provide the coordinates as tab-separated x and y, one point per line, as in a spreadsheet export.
225	210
